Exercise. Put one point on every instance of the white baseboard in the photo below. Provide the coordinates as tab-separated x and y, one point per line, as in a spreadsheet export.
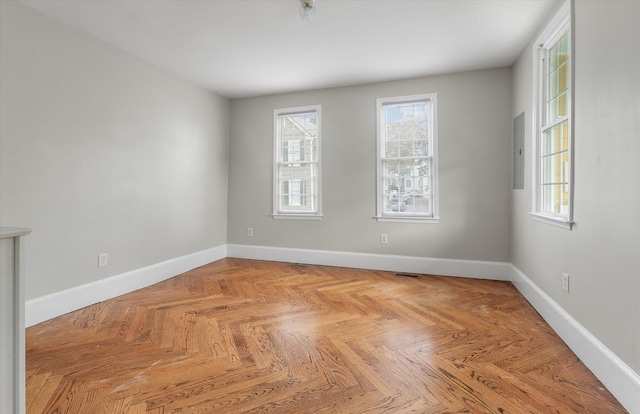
55	304
446	267
619	378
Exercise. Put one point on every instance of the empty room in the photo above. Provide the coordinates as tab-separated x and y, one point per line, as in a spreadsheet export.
320	206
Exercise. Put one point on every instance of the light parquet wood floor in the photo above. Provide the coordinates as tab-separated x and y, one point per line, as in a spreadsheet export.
244	336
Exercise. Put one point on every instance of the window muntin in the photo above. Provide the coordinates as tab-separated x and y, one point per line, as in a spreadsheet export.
297	162
553	175
406	161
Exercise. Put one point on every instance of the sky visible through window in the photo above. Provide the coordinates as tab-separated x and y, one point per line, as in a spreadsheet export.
405	112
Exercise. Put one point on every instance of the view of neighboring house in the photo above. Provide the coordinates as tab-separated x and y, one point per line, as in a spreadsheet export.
299	153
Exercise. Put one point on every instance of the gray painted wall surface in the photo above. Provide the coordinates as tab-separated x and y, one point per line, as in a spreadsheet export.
474	147
103	153
602	253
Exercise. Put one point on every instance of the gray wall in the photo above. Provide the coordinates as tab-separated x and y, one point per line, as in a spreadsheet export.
102	152
474	170
602	253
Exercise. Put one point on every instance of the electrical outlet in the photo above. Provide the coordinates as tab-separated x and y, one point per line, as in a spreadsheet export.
565	282
103	259
384	239
250	232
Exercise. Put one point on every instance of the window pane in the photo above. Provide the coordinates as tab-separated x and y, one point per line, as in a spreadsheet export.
562	105
405	148
391	148
421	148
555	199
405	168
558	79
553	169
563	48
291	151
407	186
298	195
417	204
391	168
406	130
392	114
553	59
555	139
311	149
296	192
298	188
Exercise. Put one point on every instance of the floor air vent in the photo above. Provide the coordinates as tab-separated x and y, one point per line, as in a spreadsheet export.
406	275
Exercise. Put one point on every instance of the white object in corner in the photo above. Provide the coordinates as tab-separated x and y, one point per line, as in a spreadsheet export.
395	263
56	304
619	378
12	340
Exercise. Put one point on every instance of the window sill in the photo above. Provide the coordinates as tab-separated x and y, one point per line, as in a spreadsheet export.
410	219
554	221
297	216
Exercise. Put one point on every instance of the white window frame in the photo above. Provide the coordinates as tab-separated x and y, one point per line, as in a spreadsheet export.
404	216
316	212
559	24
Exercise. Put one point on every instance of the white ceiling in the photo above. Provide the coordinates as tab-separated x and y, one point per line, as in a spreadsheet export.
241	48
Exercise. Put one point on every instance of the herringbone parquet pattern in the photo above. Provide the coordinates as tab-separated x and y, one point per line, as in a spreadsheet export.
242	336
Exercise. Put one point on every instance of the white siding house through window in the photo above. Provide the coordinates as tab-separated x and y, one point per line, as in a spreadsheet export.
297	163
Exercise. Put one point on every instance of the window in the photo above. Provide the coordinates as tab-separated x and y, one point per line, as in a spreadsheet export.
407	158
297	163
553	151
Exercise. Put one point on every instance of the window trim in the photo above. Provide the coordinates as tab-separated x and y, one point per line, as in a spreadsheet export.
297	215
557	26
433	142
